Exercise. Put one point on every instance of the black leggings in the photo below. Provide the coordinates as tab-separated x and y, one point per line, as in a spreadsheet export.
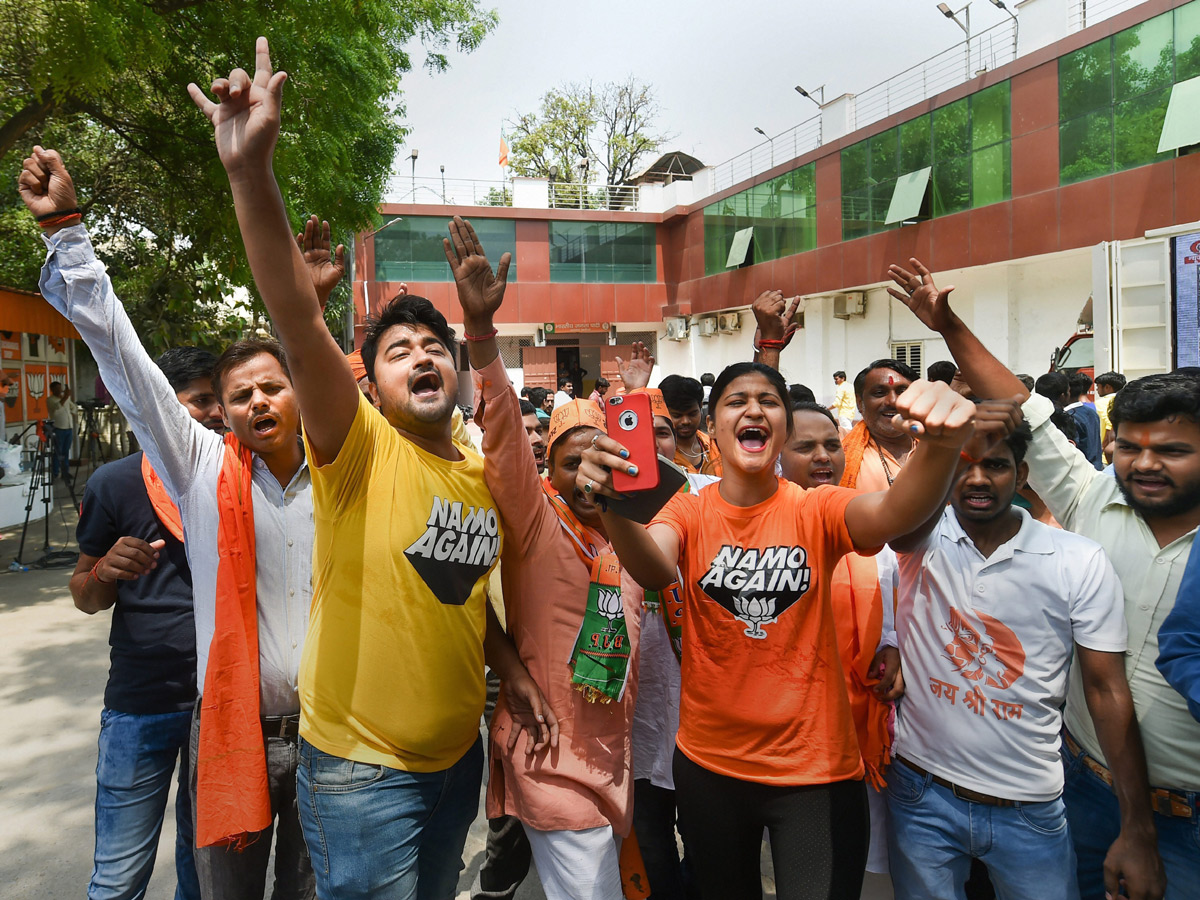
819	835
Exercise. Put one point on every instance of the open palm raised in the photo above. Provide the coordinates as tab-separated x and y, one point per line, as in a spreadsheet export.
245	117
479	290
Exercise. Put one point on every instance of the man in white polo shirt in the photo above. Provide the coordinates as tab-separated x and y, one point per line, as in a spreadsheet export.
992	607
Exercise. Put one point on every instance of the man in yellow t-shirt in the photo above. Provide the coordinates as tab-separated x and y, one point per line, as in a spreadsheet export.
406	533
843	405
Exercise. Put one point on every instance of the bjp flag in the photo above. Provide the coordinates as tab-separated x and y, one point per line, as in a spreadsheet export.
503	150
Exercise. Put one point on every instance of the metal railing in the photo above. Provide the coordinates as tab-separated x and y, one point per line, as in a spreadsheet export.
987	50
1083	13
465	192
779	148
452	191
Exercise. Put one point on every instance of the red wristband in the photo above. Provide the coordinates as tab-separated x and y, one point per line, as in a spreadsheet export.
476	338
62	220
94	574
968	459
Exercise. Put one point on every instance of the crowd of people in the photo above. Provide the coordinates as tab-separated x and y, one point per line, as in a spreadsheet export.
944	628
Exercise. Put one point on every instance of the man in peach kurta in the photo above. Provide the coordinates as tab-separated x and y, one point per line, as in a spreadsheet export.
573	799
876	448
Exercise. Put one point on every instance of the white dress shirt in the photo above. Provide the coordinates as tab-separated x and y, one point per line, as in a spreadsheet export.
1090	503
188	457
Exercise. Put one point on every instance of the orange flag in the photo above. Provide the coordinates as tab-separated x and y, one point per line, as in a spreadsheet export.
503	150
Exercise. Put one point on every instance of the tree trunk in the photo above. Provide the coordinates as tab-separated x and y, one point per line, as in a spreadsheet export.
29	116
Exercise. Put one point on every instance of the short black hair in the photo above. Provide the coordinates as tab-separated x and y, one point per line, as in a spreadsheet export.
1157	397
563	382
1026	380
707	379
416	312
524	394
1114	380
813	406
840	373
601	382
730	373
527	408
242	352
1018	441
680	392
1065	422
1079	383
183	365
537	396
801	393
943	370
1052	385
904	371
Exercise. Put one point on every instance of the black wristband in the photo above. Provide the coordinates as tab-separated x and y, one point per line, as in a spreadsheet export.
57	214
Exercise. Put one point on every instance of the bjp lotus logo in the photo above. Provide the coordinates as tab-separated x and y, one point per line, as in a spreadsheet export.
36	385
609	604
755	611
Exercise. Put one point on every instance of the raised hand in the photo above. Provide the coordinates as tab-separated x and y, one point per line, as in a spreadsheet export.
921	295
326	269
933	412
994	421
45	185
635	373
245	117
774	315
479	290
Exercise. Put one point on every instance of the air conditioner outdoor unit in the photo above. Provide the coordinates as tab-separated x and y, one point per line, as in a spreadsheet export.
729	323
847	305
539	339
707	326
677	329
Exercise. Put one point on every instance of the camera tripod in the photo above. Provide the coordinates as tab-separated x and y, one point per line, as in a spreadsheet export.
92	454
41	482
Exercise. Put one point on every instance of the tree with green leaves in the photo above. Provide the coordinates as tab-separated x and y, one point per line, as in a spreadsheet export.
611	127
103	81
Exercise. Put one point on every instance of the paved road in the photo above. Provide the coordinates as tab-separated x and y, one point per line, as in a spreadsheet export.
53	665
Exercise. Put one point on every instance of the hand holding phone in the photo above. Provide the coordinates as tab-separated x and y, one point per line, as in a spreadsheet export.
630	422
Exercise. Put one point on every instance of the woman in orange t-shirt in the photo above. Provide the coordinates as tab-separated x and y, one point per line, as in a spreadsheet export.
766	737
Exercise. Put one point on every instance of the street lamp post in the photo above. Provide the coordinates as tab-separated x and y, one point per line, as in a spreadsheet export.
366	293
952	15
820	105
443	171
771	141
414	176
999	4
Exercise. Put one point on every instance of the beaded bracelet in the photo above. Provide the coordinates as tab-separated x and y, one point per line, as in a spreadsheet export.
476	338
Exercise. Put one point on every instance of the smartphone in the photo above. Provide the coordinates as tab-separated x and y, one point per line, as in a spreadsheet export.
630	423
643	506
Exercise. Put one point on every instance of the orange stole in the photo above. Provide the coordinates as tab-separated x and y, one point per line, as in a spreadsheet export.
858	615
855	444
164	507
232	801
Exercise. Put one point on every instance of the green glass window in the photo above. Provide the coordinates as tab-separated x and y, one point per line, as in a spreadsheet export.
951	130
602	252
1137	124
1113	94
990	116
951	185
991	175
915	146
411	248
1187	41
1085	146
1085	80
1143	57
782	212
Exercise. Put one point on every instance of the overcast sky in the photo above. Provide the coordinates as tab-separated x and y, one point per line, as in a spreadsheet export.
719	69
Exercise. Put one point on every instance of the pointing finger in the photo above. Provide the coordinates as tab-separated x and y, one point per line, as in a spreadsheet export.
262	62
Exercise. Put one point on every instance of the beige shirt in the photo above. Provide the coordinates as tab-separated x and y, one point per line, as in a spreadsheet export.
1090	503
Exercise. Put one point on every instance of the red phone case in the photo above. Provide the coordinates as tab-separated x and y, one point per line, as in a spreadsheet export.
630	422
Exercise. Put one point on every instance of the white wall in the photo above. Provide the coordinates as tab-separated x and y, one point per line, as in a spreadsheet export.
1021	311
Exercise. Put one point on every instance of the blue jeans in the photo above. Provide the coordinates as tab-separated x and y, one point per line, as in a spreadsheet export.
933	835
60	451
133	776
1095	819
381	833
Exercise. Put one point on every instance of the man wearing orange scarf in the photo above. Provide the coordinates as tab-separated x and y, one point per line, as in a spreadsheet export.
875	448
567	600
245	505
